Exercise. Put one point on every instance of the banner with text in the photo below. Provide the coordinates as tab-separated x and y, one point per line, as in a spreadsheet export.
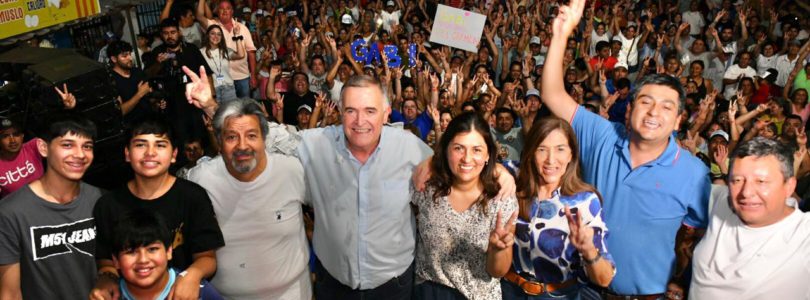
457	28
21	16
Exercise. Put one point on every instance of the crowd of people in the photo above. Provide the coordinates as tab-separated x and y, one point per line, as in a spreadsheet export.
587	150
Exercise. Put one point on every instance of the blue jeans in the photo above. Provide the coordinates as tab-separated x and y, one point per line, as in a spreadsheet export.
242	88
327	287
511	291
225	93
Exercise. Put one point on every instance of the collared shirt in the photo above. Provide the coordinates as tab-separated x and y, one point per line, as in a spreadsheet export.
364	235
423	121
239	68
643	207
784	65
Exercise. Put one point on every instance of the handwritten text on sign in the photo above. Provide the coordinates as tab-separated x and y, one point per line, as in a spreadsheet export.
457	28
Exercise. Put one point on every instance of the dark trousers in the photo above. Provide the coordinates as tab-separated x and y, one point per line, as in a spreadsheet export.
327	287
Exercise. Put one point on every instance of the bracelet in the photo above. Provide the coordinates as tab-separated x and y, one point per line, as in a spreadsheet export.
237	38
589	262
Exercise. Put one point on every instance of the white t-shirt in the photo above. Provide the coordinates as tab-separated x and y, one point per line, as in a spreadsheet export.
390	19
629	46
695	20
220	66
734	72
764	63
265	254
734	261
784	65
192	34
334	92
595	38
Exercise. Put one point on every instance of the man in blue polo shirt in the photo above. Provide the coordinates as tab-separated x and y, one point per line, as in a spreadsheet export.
653	189
411	115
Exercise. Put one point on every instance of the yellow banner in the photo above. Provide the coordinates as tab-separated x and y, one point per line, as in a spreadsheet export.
21	16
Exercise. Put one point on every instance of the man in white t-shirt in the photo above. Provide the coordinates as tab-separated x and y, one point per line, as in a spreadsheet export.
390	15
757	243
257	198
736	72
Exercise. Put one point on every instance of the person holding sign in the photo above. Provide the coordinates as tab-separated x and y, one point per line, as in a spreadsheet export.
662	191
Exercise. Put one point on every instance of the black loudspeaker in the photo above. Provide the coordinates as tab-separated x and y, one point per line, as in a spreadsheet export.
15	61
86	79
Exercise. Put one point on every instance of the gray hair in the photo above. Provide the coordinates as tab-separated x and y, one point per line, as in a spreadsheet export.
238	108
364	81
762	147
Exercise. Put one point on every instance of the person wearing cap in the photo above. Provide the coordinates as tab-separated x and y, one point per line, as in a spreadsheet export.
21	163
757	241
303	115
390	14
109	38
240	69
719	146
663	193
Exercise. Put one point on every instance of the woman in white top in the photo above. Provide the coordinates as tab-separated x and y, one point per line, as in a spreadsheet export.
465	238
218	57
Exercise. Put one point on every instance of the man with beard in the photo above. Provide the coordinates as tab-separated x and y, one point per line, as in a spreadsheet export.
257	199
130	83
169	58
242	68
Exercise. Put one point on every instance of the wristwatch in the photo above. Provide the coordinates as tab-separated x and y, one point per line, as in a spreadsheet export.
237	38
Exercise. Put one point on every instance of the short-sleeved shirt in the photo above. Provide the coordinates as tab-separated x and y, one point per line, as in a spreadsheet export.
207	291
542	247
185	208
292	101
734	72
364	235
452	245
53	243
239	68
735	261
643	207
21	170
423	121
784	65
512	141
265	254
127	87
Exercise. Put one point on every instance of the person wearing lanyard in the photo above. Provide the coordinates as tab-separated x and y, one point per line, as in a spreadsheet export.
218	57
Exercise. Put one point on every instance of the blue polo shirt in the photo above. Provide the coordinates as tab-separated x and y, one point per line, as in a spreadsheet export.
644	207
423	121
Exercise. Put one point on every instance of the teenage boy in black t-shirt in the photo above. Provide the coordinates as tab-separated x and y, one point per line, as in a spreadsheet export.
184	206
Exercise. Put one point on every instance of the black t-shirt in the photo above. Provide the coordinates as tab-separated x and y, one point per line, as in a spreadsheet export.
173	77
127	88
185	208
291	103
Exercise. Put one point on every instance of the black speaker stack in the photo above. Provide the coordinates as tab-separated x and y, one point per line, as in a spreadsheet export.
30	97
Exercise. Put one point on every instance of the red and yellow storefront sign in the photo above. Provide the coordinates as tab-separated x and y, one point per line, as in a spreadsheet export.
21	16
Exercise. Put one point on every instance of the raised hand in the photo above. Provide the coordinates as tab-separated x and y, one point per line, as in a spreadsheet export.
503	237
280	103
198	91
721	154
320	99
434	81
580	234
567	18
801	137
433	113
68	100
690	143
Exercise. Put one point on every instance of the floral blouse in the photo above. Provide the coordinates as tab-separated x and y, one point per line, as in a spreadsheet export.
451	246
542	247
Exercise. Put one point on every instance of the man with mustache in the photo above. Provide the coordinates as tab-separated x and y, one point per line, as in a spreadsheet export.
257	199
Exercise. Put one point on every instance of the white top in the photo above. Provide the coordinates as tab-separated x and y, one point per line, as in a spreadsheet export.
784	65
596	38
764	63
695	20
732	73
265	254
452	246
629	46
220	66
192	34
390	19
734	261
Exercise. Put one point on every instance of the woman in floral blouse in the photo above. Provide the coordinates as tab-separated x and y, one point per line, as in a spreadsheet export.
560	235
465	238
